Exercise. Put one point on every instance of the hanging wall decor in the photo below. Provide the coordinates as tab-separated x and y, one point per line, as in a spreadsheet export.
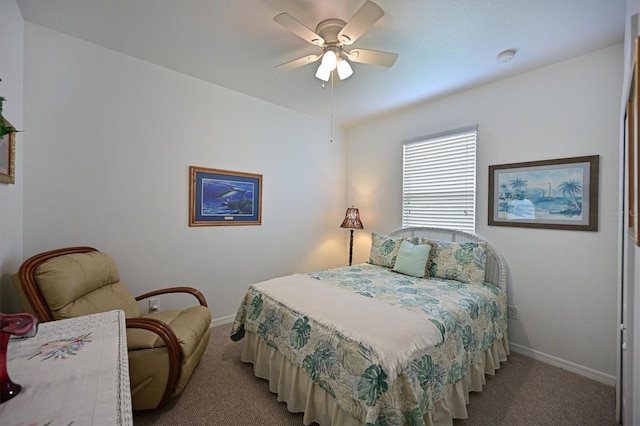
631	135
7	154
222	197
555	194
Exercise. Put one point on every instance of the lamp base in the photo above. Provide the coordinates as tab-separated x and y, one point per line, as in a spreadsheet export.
350	247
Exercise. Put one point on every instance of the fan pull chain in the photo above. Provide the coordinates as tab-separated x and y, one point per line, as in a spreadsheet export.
331	113
331	120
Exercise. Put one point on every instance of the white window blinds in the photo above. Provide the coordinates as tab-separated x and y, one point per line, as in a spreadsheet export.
439	180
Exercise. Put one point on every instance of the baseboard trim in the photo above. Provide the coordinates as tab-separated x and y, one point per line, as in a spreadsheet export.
564	364
224	320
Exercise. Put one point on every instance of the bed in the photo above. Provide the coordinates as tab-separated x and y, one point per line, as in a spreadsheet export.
401	339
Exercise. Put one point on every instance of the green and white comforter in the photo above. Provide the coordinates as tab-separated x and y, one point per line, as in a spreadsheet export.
376	385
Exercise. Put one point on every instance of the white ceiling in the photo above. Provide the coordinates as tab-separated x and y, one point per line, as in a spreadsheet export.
443	45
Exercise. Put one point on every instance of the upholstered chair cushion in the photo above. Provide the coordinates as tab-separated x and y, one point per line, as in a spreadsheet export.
192	328
91	284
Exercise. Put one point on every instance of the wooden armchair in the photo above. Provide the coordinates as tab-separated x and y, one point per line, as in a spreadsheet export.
164	347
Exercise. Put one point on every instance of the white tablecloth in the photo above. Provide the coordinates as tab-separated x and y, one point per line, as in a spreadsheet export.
73	371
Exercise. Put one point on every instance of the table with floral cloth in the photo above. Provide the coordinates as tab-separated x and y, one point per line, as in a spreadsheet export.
73	371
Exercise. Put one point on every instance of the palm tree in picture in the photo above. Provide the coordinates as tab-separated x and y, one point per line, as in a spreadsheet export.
518	185
571	188
505	190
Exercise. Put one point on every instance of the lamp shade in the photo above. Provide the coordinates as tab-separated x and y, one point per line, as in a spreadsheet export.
352	219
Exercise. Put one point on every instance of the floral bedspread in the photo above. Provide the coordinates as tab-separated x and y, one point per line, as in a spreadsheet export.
470	318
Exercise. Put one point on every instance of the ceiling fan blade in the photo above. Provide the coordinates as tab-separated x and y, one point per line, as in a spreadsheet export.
296	27
368	14
298	62
373	57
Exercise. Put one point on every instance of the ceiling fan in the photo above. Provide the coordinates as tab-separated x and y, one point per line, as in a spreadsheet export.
333	35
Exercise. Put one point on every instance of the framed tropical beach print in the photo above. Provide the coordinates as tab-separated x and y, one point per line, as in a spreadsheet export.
222	197
555	194
7	156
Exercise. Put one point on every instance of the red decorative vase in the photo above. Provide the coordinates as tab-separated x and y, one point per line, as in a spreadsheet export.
11	324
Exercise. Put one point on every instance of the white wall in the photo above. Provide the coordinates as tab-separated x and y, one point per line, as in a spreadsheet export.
563	282
11	47
108	146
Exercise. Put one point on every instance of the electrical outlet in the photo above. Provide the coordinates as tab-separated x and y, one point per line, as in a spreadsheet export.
513	312
154	304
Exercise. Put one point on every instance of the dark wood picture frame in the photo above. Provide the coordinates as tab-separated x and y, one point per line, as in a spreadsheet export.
222	197
8	156
554	194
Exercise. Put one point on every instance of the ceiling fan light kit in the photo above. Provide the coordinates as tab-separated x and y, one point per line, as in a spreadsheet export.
330	62
332	35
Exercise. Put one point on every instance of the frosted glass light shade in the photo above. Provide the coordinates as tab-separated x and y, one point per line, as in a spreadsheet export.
329	59
344	69
323	73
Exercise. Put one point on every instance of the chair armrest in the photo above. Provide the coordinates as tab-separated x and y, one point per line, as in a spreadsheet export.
196	293
173	348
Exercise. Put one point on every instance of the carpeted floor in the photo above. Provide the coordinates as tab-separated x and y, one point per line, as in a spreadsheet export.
224	391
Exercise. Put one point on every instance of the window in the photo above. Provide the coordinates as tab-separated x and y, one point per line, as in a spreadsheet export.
439	180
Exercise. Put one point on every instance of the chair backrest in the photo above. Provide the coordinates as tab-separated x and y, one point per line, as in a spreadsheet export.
71	282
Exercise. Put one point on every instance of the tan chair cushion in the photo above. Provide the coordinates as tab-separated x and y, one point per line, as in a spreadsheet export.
91	284
189	326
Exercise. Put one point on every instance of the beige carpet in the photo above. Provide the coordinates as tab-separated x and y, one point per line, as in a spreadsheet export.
224	391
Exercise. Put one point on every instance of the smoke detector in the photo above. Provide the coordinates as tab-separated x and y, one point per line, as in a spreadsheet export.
506	56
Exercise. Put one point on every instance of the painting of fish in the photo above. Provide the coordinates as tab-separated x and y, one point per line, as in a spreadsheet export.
222	197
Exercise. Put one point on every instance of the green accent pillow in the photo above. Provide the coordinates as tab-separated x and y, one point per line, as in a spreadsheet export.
412	259
384	249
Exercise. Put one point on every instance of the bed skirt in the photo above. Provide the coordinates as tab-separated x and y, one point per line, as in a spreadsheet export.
294	387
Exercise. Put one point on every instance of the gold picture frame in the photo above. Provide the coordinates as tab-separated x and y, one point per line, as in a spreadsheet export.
7	156
632	172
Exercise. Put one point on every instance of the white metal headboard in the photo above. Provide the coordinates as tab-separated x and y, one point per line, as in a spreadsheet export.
495	268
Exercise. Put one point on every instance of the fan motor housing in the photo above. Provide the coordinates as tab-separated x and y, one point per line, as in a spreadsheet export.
329	29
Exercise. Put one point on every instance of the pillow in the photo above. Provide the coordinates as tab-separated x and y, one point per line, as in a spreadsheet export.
384	249
464	262
412	259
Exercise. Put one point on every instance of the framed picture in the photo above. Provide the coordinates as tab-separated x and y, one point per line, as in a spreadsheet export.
631	210
633	145
7	157
222	197
555	194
